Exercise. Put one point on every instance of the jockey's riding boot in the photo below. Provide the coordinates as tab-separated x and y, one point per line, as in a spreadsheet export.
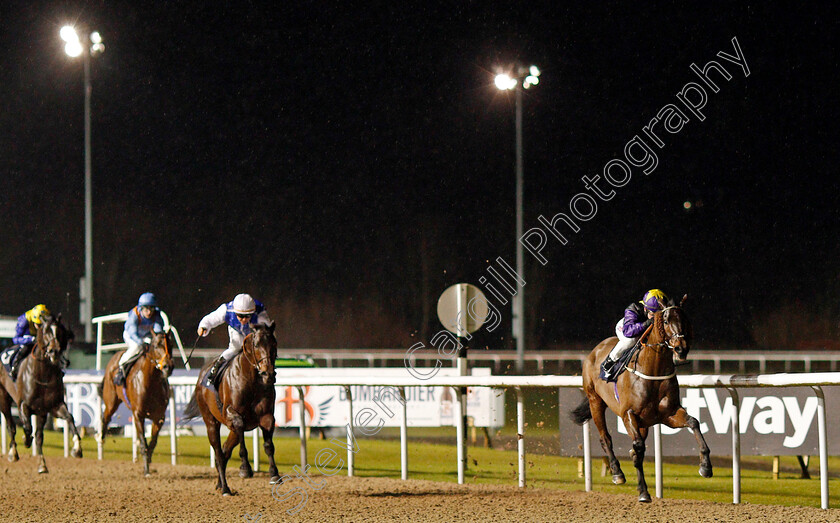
119	377
607	368
16	368
211	374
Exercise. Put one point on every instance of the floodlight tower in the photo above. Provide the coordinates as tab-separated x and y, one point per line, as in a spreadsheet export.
521	78
74	47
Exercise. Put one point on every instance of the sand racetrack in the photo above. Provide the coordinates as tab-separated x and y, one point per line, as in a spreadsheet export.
88	490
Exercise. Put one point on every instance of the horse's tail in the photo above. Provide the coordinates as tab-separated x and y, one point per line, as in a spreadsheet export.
100	387
191	411
582	413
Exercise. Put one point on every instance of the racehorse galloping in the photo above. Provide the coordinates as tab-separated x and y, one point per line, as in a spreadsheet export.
245	401
645	395
146	392
39	389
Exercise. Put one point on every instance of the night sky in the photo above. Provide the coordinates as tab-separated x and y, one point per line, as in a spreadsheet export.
346	162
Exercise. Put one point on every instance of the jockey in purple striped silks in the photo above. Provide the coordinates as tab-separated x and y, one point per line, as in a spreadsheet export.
637	318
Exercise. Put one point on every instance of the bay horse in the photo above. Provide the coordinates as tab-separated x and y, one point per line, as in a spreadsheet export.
39	390
647	394
244	402
146	392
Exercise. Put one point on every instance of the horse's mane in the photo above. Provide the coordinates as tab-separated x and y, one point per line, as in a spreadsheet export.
659	325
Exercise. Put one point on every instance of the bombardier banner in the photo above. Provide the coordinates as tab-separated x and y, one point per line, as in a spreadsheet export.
773	422
328	406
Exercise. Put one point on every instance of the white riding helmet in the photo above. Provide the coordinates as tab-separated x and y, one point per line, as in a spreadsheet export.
244	304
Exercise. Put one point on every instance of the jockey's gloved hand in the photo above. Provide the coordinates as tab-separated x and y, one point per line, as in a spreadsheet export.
147	340
648	323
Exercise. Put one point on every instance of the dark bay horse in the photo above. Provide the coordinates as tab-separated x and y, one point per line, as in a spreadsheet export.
647	393
245	401
39	390
146	392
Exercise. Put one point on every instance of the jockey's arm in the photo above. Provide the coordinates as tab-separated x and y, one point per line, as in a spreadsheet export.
633	325
263	319
213	320
22	336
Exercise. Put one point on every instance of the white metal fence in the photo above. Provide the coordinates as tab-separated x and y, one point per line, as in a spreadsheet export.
729	382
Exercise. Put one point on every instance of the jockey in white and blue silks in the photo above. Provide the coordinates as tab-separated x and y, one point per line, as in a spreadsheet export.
142	319
239	315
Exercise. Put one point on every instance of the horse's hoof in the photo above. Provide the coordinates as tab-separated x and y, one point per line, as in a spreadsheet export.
246	473
76	453
618	479
27	441
275	480
227	493
42	470
13	456
147	475
706	472
644	497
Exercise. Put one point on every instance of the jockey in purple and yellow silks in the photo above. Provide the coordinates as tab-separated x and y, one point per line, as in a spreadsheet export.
239	315
25	331
142	319
637	318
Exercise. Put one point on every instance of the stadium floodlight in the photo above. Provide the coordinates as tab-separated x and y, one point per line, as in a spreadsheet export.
75	47
68	34
506	82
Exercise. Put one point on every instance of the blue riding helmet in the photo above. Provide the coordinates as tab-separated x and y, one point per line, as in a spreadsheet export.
147	299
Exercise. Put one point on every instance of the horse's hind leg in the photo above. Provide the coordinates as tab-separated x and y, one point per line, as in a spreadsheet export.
598	408
639	434
681	419
111	401
213	428
61	412
40	421
267	426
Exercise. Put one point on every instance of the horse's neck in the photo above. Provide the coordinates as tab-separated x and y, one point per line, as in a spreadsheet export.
654	358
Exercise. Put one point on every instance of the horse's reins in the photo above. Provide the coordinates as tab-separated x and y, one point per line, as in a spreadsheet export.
245	352
654	346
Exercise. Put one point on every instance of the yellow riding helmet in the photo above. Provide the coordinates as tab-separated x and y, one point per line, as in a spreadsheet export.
37	313
654	300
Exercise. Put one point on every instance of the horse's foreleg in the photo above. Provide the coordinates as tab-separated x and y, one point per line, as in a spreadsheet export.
237	425
681	419
40	421
140	429
631	422
598	408
61	412
267	426
150	447
26	421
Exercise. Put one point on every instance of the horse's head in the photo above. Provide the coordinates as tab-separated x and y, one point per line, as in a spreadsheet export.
261	350
160	350
677	330
52	339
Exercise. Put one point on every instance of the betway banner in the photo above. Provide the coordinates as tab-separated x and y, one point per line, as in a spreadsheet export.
772	421
328	406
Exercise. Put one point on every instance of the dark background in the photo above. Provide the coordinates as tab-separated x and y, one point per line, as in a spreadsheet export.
346	162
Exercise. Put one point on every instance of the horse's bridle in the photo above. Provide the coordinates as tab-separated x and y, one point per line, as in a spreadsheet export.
47	343
669	343
161	363
245	352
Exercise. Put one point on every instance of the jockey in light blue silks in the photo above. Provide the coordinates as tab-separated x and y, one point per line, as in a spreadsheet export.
239	315
25	331
142	319
637	318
